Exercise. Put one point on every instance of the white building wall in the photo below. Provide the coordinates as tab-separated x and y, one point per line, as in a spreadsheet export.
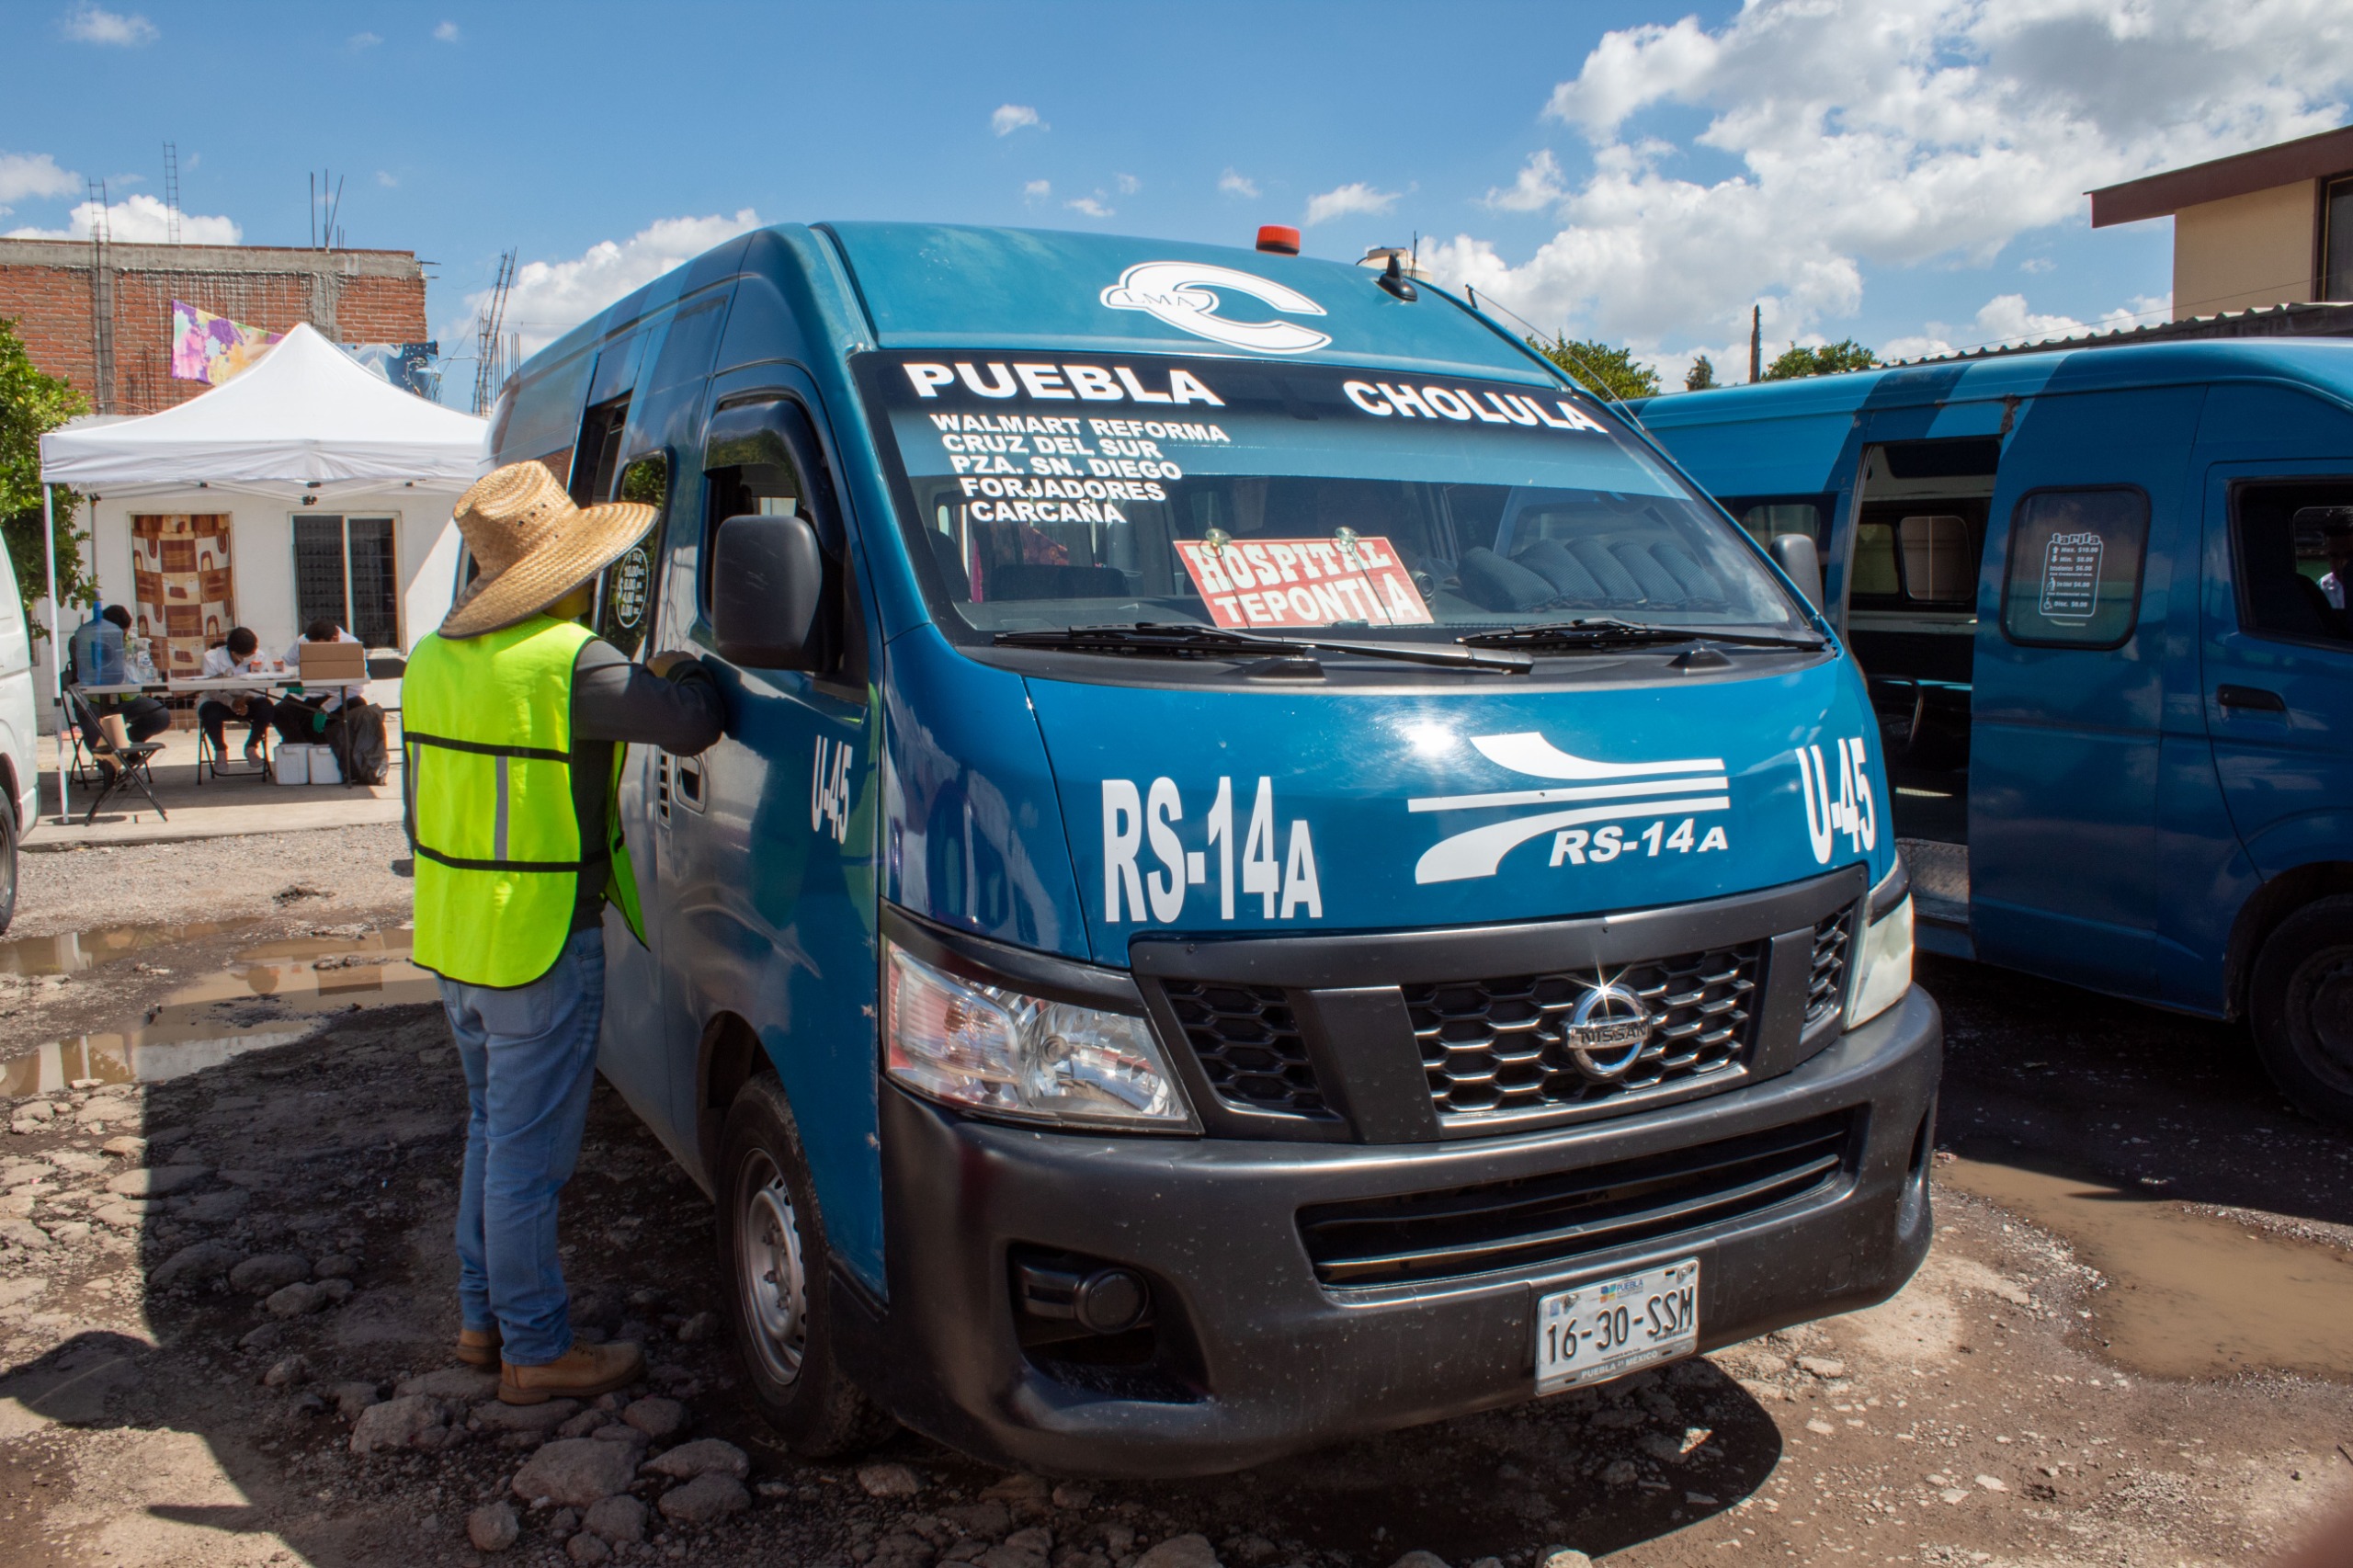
261	534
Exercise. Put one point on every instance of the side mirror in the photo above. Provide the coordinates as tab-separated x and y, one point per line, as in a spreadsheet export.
1794	554
767	580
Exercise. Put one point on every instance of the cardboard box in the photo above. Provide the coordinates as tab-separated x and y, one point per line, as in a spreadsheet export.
333	663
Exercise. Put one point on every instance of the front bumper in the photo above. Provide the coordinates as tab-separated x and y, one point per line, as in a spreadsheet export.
1255	1356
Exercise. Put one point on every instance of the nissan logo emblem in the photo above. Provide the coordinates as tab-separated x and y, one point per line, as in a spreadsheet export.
1607	1032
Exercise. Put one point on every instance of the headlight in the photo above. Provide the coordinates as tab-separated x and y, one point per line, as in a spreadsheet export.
1001	1052
1885	962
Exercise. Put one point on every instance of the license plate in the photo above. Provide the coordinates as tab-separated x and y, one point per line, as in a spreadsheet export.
1609	1327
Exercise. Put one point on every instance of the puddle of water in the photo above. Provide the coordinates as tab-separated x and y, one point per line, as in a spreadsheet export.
2188	1295
74	951
268	995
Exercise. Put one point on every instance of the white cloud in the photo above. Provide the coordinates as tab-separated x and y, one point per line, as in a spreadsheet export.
1128	185
359	42
1009	118
549	298
1233	184
386	180
2037	264
2006	320
446	32
1037	190
1090	205
1355	197
139	220
1539	185
1867	134
34	174
89	23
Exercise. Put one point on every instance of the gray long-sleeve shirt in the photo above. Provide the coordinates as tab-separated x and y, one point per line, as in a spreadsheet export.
615	702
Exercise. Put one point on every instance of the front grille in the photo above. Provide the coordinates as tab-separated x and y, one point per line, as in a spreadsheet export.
1538	1222
1495	1047
1826	989
1248	1044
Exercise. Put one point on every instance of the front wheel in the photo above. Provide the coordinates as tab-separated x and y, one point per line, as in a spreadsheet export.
773	1257
8	861
2300	1003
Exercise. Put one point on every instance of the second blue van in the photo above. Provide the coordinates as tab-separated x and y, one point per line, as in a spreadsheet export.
2100	597
1276	872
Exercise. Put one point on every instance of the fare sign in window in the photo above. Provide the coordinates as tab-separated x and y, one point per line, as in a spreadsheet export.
2075	567
1280	583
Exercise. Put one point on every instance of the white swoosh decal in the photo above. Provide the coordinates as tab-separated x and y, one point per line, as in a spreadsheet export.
1478	852
1582	792
1530	753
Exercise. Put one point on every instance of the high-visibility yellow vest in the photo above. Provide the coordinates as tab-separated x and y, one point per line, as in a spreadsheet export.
486	727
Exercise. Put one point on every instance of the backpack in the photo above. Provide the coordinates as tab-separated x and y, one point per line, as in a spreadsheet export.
357	737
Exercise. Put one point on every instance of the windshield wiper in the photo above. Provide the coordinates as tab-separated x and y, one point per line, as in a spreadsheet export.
1189	640
1606	631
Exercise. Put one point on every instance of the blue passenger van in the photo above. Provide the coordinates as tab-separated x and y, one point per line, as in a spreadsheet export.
2100	599
1275	871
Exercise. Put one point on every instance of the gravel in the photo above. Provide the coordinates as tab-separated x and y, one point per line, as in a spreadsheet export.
209	878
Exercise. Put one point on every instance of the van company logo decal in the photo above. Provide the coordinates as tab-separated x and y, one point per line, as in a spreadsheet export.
1591	793
1180	293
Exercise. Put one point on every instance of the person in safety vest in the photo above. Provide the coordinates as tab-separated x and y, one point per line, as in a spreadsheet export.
513	723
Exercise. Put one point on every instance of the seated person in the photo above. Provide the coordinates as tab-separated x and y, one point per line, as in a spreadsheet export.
144	718
240	655
2337	540
302	721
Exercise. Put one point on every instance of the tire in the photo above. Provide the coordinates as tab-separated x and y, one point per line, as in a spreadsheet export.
772	1253
2300	1000
7	862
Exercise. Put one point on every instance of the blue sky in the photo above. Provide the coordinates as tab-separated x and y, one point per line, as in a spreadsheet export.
1906	171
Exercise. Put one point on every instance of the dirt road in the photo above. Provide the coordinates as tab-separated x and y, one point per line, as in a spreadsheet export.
2113	1356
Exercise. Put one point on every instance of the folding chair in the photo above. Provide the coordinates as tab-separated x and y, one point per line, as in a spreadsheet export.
120	766
210	758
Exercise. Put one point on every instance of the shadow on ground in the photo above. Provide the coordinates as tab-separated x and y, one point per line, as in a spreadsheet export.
142	1428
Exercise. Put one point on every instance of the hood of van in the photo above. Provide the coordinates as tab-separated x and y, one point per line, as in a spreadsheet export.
1212	812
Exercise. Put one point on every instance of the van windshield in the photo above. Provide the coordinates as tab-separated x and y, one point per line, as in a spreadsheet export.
1041	493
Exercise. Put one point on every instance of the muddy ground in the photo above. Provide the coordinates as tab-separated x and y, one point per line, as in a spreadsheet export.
2121	1350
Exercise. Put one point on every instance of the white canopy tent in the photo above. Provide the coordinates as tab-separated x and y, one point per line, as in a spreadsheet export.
306	420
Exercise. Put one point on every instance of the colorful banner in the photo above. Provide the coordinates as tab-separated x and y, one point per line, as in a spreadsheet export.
408	365
206	348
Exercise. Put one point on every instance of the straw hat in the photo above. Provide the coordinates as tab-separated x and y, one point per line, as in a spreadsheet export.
533	545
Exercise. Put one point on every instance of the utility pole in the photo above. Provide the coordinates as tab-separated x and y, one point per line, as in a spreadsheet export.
1755	343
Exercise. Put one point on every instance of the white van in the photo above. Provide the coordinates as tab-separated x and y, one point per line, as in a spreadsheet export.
18	783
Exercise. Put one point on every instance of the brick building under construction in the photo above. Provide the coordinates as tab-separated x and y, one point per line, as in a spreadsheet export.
100	314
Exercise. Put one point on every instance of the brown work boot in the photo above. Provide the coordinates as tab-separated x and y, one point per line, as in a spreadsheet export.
582	1372
478	1346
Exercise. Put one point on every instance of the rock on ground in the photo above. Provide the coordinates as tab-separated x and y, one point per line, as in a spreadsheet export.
587	1550
198	1262
708	1498
270	1271
621	1519
296	1299
1564	1557
463	1385
1181	1551
888	1481
494	1416
707	1456
157	1181
492	1526
1421	1560
576	1472
660	1419
401	1422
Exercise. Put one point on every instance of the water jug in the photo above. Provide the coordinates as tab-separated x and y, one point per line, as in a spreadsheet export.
97	652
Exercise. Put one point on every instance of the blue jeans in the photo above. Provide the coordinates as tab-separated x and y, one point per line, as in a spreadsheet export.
530	1056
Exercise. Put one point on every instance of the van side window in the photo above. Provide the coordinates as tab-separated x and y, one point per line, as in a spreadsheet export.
1767	519
2075	567
2292	552
626	598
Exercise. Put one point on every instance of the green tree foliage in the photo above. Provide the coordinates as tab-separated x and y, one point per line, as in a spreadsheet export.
1827	360
1701	376
31	403
1607	371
